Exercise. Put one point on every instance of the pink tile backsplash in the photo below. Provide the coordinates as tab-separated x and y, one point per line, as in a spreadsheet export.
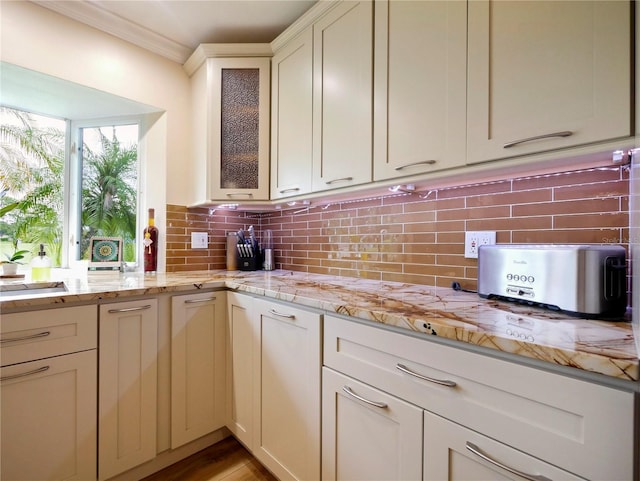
419	237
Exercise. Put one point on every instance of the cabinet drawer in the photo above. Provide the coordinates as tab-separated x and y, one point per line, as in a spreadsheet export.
550	416
26	336
454	452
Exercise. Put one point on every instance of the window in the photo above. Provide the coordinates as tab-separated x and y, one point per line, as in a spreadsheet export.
50	193
107	187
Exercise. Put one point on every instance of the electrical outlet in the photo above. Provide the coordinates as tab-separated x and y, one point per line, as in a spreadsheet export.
474	239
199	240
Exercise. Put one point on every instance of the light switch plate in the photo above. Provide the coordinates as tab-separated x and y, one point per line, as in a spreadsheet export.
199	240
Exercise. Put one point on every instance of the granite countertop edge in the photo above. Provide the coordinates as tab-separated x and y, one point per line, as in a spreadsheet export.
598	346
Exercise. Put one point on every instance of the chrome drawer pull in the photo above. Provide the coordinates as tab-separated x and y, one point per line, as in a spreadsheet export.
239	194
196	301
130	309
24	338
422	162
290	189
343	179
24	374
348	390
279	314
443	382
564	133
531	477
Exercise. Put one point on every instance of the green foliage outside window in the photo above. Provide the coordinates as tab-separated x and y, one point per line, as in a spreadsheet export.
32	188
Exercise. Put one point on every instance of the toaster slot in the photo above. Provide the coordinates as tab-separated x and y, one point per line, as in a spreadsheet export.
615	272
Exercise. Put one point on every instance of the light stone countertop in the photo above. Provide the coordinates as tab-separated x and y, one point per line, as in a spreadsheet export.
603	347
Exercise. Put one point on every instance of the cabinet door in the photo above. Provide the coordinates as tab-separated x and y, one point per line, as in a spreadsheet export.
546	75
288	416
342	98
420	87
239	128
243	342
292	117
367	434
48	425
197	365
455	453
127	401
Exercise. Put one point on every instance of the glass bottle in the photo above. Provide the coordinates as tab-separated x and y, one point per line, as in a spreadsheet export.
150	243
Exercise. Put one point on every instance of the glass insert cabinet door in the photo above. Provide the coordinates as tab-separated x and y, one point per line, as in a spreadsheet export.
239	123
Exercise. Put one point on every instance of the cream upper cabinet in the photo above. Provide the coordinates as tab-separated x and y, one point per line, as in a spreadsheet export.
419	87
342	96
291	117
198	326
127	386
546	75
230	104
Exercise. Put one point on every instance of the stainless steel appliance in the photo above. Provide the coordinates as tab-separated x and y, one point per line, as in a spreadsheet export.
586	280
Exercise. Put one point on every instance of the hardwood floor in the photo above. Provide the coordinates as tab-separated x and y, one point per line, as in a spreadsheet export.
227	460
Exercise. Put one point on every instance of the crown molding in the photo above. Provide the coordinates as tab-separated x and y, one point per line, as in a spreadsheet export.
91	14
222	50
306	20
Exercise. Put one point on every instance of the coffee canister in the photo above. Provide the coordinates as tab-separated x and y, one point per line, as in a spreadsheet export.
232	251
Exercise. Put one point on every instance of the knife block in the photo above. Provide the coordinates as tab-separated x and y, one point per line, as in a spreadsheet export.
252	263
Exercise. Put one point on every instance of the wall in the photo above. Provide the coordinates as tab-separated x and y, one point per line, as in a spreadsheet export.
408	238
38	39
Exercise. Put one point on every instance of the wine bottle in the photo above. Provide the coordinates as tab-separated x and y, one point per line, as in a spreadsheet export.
150	243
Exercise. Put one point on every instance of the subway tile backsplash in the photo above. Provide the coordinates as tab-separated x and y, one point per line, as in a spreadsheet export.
418	237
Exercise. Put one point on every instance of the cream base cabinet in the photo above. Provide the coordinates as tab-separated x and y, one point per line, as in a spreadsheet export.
198	324
546	75
368	434
48	395
127	401
455	453
274	384
292	117
342	97
419	87
538	419
287	418
48	419
243	339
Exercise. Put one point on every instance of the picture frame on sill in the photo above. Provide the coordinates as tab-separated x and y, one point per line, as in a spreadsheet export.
105	253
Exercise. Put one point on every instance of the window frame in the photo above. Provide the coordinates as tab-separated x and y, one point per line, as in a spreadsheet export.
72	222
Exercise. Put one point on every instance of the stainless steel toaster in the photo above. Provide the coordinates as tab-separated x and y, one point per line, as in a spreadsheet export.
586	280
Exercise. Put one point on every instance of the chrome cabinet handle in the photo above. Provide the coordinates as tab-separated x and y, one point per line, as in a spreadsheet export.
531	477
129	309
564	133
443	382
24	338
290	189
24	374
343	179
348	390
239	194
196	301
280	314
422	162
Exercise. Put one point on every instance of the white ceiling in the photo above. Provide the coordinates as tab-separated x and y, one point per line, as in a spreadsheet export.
174	28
